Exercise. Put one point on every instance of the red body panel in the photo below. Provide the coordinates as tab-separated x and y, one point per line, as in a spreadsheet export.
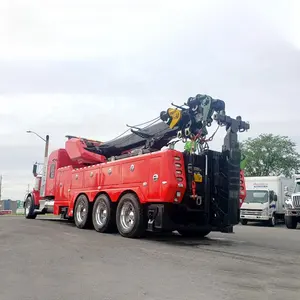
36	190
151	176
154	177
77	152
37	197
57	159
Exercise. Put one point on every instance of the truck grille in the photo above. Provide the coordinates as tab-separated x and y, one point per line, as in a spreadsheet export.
252	212
296	201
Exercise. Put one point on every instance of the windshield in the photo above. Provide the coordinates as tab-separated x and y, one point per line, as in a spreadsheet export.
297	187
257	196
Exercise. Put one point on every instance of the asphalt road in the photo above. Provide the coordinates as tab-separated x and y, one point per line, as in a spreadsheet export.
51	259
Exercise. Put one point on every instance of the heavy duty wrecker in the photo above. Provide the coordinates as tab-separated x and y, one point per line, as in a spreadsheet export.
133	184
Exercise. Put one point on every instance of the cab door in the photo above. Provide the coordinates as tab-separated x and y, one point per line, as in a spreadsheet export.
51	179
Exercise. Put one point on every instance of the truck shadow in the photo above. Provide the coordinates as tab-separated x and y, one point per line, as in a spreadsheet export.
261	224
169	238
57	220
175	239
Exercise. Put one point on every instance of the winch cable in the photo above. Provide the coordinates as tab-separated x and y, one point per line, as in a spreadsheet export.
120	135
126	139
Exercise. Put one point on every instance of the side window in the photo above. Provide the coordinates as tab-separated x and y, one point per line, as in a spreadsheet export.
52	171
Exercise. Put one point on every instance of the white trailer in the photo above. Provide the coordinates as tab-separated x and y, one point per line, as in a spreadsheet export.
265	199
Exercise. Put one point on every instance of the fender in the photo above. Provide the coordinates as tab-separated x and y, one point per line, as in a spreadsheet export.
31	194
73	198
113	194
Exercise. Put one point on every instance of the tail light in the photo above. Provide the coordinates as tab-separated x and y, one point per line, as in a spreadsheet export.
178	171
242	188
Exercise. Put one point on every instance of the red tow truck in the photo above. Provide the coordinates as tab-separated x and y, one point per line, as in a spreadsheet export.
140	183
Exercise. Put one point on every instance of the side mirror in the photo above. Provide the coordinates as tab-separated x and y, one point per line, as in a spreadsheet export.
275	198
34	170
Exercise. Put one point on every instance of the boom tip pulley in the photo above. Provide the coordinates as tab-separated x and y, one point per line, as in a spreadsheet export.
193	117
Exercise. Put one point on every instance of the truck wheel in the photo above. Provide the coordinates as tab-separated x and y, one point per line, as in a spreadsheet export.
82	213
244	222
194	233
103	214
291	222
29	208
130	217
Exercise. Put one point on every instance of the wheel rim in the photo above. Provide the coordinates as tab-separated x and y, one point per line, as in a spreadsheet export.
101	214
81	212
273	220
27	207
127	216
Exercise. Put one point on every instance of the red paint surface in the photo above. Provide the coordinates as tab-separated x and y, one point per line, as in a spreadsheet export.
67	176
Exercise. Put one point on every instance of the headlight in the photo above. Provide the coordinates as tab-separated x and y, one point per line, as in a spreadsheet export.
265	212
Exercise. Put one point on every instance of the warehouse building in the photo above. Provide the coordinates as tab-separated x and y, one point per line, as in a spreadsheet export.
15	206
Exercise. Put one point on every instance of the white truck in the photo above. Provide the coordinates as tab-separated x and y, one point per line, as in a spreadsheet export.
265	199
292	204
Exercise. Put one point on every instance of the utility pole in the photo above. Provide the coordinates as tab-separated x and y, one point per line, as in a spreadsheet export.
43	182
46	140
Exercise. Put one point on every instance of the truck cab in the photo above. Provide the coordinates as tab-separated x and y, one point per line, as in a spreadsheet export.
292	205
259	205
265	200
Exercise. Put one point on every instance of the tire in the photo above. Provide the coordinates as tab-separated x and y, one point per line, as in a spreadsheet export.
194	233
103	216
244	222
82	213
29	208
130	205
272	221
291	222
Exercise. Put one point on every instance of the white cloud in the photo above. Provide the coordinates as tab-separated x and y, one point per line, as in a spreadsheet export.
87	68
85	29
284	17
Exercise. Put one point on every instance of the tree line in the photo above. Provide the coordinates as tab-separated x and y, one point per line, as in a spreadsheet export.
270	155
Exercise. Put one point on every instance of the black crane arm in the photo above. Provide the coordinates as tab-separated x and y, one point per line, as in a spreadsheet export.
189	121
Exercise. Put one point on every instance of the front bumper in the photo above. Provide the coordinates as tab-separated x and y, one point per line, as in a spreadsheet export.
292	212
255	217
